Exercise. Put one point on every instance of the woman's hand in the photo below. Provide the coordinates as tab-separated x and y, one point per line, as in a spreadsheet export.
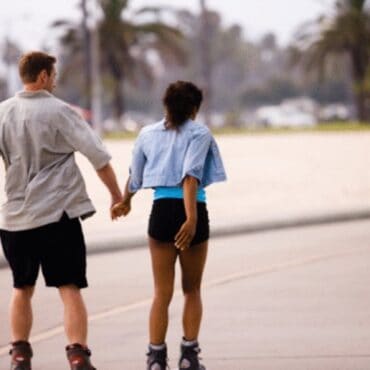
186	234
122	208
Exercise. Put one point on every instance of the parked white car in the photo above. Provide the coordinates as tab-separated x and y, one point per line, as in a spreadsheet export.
284	116
335	112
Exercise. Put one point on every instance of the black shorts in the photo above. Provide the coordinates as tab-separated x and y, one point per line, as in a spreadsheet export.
168	215
59	248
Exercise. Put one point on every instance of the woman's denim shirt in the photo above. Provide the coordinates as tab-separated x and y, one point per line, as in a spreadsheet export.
163	157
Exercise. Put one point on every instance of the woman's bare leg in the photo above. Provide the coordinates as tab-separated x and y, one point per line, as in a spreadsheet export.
163	266
192	262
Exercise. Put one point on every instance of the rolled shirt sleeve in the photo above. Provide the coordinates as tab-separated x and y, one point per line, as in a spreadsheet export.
82	138
137	166
196	154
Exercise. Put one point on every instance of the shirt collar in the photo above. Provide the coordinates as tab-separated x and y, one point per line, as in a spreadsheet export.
163	126
33	94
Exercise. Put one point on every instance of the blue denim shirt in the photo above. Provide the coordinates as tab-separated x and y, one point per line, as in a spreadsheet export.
163	157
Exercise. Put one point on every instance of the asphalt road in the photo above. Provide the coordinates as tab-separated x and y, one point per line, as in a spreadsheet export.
296	299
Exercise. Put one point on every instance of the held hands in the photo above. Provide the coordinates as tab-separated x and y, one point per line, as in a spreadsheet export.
121	208
185	235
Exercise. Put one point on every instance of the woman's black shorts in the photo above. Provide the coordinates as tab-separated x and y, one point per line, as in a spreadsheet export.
59	248
168	215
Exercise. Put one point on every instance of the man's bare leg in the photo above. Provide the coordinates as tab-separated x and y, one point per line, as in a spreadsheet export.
75	314
21	317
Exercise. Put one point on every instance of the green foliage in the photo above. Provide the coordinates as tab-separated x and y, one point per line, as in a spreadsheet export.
346	33
244	74
243	130
125	40
273	92
326	127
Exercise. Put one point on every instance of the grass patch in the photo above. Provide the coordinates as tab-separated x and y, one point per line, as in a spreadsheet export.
120	135
321	127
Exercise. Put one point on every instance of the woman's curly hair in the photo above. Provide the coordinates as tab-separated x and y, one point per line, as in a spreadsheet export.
180	100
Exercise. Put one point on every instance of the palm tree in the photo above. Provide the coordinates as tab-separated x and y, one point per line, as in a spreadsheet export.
125	41
124	45
345	33
206	60
10	56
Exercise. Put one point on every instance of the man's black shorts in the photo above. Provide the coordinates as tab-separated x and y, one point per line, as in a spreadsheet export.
168	215
59	248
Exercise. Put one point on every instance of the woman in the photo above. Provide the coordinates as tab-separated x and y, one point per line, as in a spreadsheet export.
178	158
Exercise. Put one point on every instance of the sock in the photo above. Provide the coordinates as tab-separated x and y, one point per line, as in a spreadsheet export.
157	347
188	343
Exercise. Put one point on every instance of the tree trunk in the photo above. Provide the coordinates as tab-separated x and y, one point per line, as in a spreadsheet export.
360	67
360	101
118	100
87	55
117	74
206	67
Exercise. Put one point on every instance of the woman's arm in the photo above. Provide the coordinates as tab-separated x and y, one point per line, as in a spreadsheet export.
187	231
134	182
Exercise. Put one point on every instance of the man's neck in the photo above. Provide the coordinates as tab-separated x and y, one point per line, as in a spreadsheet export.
33	87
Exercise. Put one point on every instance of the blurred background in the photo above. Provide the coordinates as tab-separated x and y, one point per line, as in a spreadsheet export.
264	64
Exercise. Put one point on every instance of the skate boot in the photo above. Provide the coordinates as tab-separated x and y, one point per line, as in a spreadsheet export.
79	357
157	358
189	359
21	353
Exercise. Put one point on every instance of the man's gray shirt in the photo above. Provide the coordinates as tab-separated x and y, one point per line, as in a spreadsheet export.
38	137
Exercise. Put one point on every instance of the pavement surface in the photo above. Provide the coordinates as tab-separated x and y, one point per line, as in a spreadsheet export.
295	299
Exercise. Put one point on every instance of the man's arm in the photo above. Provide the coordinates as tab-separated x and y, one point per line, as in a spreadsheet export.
79	136
108	177
124	207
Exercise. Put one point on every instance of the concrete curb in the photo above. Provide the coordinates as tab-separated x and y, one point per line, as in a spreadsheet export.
115	245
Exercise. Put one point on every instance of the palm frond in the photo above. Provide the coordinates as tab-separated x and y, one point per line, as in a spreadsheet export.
113	9
156	10
357	4
125	44
61	23
350	5
166	40
157	28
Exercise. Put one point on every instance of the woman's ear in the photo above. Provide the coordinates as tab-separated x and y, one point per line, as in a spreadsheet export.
195	112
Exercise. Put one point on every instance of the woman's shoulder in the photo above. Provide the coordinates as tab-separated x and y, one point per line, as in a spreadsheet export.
157	126
198	128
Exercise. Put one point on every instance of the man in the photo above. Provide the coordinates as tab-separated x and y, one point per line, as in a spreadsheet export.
46	196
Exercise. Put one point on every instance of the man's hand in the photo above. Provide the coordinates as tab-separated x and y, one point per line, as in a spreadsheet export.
117	199
185	235
108	177
120	209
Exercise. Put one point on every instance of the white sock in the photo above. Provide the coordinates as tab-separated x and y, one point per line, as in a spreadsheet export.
157	347
189	343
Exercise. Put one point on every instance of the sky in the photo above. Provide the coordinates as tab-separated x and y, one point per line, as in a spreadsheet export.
27	21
